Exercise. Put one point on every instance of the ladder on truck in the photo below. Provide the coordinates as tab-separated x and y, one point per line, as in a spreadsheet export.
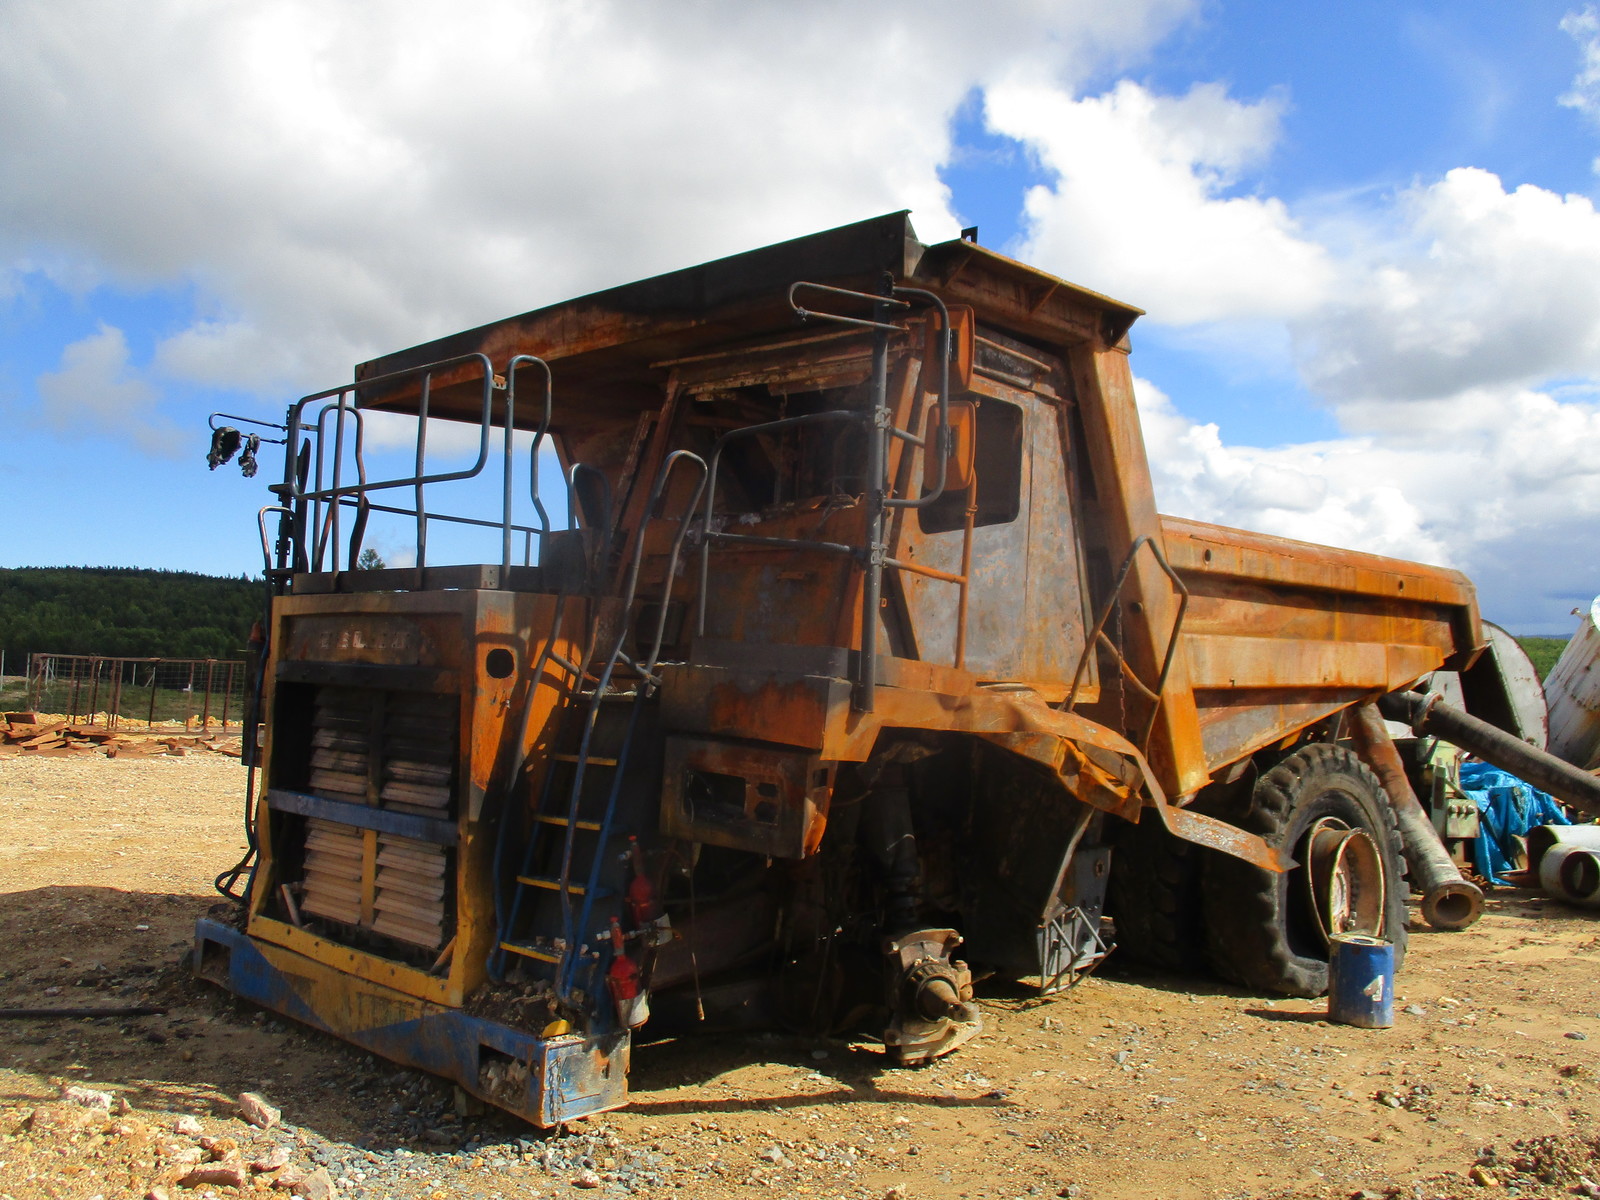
563	876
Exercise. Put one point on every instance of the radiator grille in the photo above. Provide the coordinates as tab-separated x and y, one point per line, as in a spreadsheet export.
397	751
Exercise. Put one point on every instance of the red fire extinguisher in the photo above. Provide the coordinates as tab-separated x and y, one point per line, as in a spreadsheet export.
622	979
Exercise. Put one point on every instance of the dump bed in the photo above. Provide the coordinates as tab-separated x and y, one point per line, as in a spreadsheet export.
1278	633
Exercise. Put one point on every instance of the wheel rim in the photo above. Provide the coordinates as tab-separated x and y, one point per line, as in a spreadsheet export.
1344	879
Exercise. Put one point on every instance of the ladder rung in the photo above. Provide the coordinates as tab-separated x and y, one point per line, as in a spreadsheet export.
530	952
548	819
592	760
554	885
564	664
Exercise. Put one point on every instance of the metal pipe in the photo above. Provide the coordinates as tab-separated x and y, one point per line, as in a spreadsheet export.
877	488
963	595
1571	872
1449	902
1433	718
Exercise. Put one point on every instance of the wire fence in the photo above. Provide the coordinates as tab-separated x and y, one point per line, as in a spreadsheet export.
133	693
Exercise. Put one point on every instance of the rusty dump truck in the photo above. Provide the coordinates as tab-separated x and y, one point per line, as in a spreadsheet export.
846	662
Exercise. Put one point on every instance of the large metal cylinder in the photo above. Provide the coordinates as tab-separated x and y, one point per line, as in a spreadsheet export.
1544	771
1571	872
1449	902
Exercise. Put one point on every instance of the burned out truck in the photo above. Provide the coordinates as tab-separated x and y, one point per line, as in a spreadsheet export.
845	663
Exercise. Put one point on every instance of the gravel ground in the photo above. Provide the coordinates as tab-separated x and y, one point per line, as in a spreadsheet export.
1131	1085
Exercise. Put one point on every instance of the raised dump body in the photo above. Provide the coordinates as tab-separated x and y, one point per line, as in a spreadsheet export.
1279	633
846	661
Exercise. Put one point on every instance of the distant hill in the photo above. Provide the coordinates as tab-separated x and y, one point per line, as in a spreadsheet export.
124	611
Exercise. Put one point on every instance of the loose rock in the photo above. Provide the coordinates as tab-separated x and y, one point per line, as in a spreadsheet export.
87	1097
255	1109
316	1186
187	1126
215	1176
275	1159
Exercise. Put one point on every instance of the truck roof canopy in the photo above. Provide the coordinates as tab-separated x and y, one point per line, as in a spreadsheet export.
613	347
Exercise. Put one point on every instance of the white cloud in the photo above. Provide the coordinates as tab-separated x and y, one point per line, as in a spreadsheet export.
333	181
1508	491
1584	26
1475	287
1141	204
96	393
1438	324
339	180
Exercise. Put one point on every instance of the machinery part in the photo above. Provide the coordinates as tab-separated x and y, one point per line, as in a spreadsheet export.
887	831
1449	902
1270	931
930	996
225	440
1155	898
1573	691
1546	838
1343	879
1503	688
1071	945
1432	717
1571	872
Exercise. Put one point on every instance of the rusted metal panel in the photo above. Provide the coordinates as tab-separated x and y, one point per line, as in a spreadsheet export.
745	796
615	336
1279	634
1573	689
1126	512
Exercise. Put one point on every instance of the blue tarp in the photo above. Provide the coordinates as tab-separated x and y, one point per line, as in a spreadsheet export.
1507	810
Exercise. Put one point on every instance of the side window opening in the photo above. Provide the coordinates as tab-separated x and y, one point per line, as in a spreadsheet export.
997	472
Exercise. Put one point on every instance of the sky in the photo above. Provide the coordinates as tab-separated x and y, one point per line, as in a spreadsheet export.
1364	234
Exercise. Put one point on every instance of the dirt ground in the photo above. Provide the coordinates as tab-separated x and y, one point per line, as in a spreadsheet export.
1131	1085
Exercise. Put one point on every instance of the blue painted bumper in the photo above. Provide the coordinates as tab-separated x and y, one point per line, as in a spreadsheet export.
543	1080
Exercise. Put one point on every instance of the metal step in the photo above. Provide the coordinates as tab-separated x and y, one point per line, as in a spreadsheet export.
548	819
593	760
554	885
530	952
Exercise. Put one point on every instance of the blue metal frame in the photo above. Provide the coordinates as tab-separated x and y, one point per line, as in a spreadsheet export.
568	1076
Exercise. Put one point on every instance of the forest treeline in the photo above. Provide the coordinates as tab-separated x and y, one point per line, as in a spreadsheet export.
124	611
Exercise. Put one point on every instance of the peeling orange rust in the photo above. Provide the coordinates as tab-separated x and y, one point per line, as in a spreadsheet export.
925	645
792	712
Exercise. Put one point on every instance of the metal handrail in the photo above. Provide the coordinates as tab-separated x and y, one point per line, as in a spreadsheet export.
876	419
341	396
1098	637
647	682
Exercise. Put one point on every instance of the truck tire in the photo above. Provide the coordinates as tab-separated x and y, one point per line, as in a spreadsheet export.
1261	929
1154	898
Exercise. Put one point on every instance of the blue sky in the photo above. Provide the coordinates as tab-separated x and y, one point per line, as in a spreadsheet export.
1364	232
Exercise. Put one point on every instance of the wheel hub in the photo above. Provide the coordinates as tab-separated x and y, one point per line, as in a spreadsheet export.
1344	876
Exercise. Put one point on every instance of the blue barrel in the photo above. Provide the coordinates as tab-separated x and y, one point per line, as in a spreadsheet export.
1361	981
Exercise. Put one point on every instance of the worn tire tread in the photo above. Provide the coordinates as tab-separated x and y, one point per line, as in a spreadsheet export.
1245	940
1155	899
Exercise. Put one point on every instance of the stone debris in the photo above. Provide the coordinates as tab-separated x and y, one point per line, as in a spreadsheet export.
274	1160
87	1097
316	1186
187	1126
255	1109
215	1175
